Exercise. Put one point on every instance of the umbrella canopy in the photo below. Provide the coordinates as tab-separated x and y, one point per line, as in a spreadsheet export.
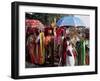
34	24
70	21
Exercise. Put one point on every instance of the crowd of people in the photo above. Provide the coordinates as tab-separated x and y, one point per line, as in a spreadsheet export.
57	46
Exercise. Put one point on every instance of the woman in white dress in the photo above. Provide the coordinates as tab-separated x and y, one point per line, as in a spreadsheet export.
70	61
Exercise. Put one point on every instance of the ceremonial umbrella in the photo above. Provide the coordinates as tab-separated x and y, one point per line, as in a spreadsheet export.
33	23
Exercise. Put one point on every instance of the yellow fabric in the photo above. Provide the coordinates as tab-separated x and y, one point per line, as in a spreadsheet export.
42	47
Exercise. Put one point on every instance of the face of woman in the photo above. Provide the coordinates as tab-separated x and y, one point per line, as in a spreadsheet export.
67	31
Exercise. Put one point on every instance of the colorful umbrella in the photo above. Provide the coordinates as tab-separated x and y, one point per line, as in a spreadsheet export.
34	24
70	21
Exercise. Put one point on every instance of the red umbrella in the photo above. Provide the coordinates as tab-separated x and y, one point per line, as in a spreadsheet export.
33	23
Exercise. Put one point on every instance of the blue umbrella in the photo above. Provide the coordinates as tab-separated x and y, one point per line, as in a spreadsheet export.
70	21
